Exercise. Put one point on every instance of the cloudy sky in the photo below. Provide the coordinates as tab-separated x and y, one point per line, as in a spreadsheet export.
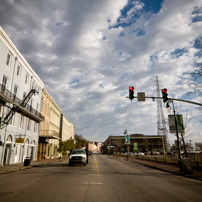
88	53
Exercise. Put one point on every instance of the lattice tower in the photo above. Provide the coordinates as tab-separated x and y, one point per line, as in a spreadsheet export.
161	122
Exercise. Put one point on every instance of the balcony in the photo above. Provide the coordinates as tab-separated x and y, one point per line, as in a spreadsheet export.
51	134
7	97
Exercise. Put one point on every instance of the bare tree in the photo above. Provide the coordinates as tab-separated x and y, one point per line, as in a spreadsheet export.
196	74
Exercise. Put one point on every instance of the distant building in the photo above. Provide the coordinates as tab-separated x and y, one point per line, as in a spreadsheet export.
67	129
44	132
94	147
139	142
90	146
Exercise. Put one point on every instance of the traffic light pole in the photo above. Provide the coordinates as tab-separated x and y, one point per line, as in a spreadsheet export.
196	103
176	128
178	140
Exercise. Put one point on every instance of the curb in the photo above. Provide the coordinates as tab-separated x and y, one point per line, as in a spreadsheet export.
166	170
22	168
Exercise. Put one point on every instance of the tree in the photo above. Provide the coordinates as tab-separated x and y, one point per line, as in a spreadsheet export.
80	141
198	145
65	146
196	75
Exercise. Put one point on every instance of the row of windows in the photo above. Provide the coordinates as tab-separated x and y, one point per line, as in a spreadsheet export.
22	125
18	71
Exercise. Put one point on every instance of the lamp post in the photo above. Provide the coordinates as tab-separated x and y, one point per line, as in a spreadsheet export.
127	142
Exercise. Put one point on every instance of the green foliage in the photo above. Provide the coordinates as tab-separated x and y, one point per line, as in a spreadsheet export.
65	146
80	141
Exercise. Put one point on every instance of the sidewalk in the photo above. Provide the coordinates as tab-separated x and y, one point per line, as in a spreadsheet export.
172	168
20	166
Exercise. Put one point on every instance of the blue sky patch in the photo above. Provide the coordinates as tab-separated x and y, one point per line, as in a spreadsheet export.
74	80
134	9
178	52
197	15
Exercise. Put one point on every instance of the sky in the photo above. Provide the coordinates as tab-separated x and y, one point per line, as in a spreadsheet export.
89	52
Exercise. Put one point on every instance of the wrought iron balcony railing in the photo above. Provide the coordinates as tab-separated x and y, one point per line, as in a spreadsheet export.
7	97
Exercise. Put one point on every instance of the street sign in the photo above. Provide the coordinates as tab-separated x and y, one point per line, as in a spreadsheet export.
180	125
127	139
141	96
135	146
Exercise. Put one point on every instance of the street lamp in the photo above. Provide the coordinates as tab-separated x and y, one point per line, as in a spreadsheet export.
127	141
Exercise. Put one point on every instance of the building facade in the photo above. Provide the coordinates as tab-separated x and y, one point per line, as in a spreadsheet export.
138	143
54	129
44	135
20	103
67	129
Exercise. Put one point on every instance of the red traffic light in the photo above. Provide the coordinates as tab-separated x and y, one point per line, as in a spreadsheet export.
164	90
165	95
131	88
131	93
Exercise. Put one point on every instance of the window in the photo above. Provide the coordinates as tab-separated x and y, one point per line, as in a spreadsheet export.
8	59
15	90
21	121
34	127
12	121
31	104
4	83
26	78
28	124
18	70
33	84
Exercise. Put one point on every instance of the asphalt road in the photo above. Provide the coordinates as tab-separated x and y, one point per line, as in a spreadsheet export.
105	178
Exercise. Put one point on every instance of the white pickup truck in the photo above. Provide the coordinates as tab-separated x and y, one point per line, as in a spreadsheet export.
78	156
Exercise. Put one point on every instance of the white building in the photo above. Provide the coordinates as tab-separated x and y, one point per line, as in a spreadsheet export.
18	138
67	129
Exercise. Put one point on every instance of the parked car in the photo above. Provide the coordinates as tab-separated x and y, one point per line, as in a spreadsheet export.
78	156
140	154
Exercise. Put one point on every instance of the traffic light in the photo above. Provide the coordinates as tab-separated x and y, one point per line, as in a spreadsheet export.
164	95
131	93
1	122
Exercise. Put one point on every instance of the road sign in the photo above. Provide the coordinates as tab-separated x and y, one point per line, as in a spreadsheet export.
127	139
180	125
141	96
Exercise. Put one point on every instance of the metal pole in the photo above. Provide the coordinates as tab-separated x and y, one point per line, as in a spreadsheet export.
178	141
128	152
171	99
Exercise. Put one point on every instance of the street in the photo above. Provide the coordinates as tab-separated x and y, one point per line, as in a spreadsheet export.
105	178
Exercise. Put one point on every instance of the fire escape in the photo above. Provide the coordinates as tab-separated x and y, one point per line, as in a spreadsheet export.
18	105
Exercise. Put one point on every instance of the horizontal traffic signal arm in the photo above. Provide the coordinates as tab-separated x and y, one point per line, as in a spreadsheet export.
152	97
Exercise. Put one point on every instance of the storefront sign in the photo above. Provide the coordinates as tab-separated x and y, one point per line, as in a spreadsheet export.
20	140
